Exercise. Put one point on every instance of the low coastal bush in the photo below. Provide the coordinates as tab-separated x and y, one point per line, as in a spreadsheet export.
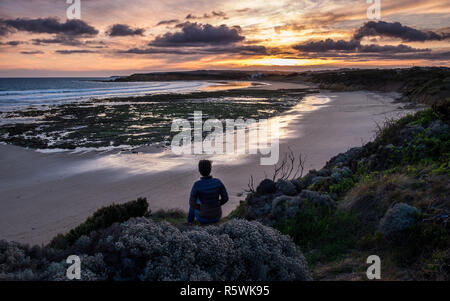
103	218
398	222
323	233
141	249
173	216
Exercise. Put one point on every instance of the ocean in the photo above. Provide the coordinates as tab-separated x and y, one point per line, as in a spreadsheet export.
20	93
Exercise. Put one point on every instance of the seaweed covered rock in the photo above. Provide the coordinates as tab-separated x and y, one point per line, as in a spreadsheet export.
141	249
397	221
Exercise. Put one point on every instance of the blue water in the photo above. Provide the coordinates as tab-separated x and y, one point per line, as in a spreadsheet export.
19	93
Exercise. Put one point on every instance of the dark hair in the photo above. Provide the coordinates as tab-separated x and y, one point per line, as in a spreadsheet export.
204	167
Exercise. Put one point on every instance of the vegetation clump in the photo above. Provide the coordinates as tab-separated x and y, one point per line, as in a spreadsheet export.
141	249
101	219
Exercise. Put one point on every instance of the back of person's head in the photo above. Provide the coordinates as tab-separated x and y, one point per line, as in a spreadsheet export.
204	167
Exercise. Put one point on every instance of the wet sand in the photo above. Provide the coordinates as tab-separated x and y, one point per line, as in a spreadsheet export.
43	194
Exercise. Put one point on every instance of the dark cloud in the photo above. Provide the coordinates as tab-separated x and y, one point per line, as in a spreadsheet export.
191	17
32	52
239	50
327	45
396	30
213	14
75	51
153	50
4	29
233	49
194	34
168	22
219	14
60	39
352	46
122	30
361	57
95	44
390	48
69	41
49	25
11	43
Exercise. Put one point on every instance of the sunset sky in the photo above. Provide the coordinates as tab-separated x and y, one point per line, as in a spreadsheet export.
116	37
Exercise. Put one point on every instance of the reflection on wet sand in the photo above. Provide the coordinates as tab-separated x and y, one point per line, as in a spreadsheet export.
226	85
147	161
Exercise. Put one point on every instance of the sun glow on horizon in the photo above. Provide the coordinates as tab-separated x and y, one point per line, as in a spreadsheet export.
283	62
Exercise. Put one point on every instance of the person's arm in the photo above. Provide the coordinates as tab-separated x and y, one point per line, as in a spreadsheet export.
223	194
193	198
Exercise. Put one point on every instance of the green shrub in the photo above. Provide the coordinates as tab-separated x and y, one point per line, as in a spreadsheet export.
240	211
343	186
322	233
388	133
101	219
425	117
173	216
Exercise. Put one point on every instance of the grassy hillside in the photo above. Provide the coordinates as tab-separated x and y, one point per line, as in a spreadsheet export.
418	84
389	198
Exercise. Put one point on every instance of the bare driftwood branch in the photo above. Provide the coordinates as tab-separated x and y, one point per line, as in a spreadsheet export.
251	185
287	169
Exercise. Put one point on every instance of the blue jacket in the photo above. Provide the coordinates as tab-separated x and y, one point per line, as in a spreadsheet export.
212	195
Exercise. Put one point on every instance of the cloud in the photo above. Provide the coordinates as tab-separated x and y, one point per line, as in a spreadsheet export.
63	40
122	30
11	43
233	49
213	14
168	22
243	10
69	41
239	50
75	51
365	57
32	52
352	46
220	14
48	25
396	30
327	45
191	17
390	48
194	34
289	27
153	50
4	29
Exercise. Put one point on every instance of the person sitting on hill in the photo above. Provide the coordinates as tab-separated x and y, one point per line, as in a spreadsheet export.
207	196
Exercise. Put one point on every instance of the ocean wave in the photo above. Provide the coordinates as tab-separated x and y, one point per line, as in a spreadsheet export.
26	98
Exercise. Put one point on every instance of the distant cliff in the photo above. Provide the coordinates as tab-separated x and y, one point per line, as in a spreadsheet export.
419	84
202	75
